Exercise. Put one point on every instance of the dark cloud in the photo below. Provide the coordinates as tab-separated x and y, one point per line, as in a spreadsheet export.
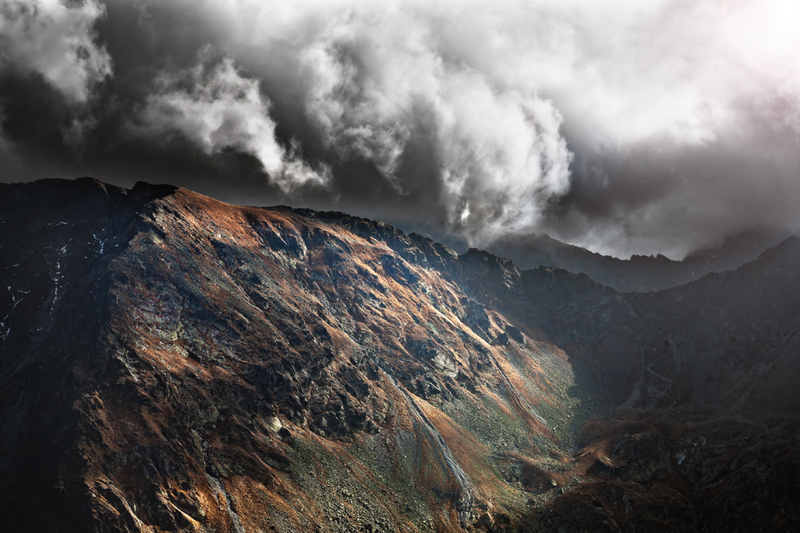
625	128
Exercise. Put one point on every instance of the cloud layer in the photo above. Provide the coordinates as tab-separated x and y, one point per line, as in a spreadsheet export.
56	41
628	127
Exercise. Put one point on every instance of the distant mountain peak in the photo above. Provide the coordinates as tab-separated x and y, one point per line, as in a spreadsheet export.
640	273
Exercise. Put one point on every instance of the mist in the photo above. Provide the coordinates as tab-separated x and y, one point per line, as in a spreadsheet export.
623	128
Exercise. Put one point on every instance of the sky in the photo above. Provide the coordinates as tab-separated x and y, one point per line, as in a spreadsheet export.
621	126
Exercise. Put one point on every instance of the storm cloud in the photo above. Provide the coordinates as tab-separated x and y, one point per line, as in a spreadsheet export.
626	127
57	41
217	108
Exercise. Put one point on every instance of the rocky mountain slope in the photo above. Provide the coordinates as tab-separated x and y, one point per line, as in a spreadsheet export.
172	363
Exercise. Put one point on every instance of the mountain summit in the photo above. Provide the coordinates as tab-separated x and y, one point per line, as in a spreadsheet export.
170	362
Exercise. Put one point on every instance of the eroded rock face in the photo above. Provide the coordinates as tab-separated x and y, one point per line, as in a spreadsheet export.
173	363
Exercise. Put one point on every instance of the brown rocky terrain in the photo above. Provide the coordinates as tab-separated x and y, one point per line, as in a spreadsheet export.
172	363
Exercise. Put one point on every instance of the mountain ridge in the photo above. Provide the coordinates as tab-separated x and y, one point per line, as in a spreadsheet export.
640	273
198	366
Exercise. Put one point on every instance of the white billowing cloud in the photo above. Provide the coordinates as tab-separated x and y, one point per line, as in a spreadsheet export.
501	156
628	72
216	107
56	40
490	89
370	84
351	118
492	86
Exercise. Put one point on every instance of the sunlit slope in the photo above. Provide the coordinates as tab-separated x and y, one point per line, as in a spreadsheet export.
259	368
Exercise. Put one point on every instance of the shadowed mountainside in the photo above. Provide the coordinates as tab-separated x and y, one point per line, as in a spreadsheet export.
639	273
173	363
